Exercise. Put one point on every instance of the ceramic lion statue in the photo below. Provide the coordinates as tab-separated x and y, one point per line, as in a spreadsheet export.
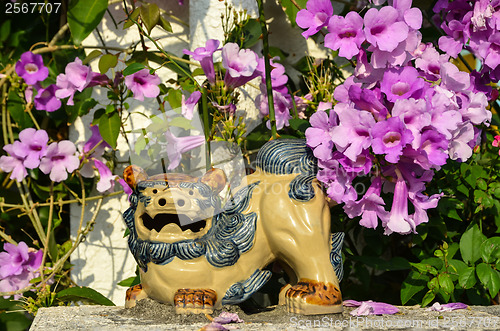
196	255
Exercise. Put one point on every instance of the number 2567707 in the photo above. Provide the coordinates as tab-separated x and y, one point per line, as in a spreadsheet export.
32	7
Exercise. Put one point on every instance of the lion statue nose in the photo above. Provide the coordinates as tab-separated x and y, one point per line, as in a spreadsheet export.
172	201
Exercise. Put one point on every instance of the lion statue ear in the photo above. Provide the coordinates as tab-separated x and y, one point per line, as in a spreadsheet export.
215	178
134	174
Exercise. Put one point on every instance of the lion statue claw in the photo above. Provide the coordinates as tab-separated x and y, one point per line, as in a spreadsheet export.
196	255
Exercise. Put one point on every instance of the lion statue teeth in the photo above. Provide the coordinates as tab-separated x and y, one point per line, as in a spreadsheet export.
196	254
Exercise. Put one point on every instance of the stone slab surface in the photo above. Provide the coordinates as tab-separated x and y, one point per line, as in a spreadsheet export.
153	316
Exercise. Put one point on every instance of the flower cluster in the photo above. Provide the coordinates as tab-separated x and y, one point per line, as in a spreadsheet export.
242	66
18	265
31	151
404	113
475	24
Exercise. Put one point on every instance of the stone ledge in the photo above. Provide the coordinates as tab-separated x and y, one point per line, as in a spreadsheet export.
153	316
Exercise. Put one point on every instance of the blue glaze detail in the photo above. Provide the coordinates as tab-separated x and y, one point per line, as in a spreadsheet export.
290	156
336	254
241	291
232	232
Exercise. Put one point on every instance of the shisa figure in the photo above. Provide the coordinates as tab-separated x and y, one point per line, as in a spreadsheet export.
197	255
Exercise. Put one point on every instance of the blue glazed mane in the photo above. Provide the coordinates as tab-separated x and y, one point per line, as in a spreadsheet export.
231	234
290	156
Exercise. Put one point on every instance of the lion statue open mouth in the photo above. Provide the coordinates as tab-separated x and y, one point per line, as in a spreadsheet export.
195	254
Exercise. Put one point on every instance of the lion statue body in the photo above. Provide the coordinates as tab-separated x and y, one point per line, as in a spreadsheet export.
195	254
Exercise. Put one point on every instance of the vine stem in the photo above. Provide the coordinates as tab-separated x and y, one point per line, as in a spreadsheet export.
267	66
206	129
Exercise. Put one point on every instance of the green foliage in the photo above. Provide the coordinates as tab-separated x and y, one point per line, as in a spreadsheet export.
82	293
84	16
291	9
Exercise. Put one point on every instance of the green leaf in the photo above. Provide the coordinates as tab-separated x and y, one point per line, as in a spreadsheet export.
84	16
428	297
133	68
470	244
92	55
86	106
489	277
300	125
413	284
83	293
467	278
445	283
490	250
16	105
181	122
131	281
291	10
250	32
109	128
110	109
97	115
174	98
481	184
455	267
424	268
4	31
165	24
107	61
433	285
133	16
150	15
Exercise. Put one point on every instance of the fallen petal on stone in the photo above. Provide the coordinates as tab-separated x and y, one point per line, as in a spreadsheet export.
447	307
371	308
352	303
227	317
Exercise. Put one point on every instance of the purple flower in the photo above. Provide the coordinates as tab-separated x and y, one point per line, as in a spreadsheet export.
454	79
189	104
32	146
240	65
383	30
13	259
95	139
30	68
314	17
352	135
278	76
389	137
370	308
59	160
78	74
370	206
178	145
282	106
414	115
447	307
401	83
143	84
459	145
18	265
13	163
106	178
399	220
46	99
319	135
337	180
346	34
205	56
